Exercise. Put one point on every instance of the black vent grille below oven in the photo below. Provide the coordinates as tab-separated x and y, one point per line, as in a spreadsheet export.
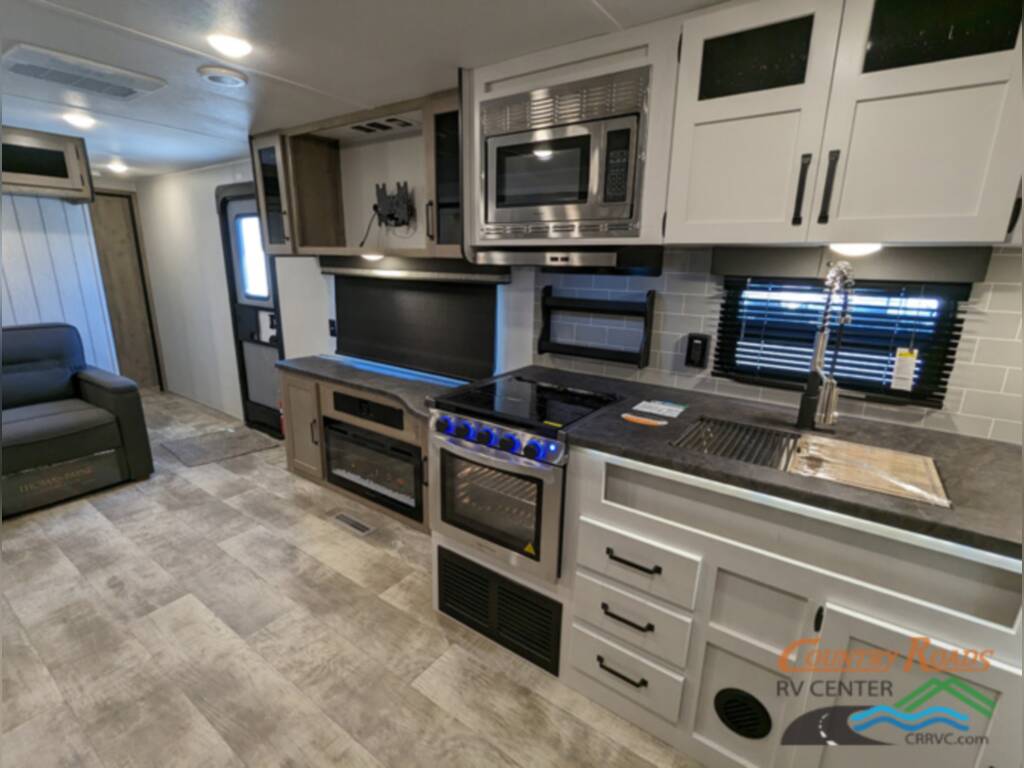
526	622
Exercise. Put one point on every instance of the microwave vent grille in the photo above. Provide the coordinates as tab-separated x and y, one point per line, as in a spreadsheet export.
622	93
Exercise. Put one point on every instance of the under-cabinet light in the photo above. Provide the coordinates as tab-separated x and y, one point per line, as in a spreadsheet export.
372	256
855	249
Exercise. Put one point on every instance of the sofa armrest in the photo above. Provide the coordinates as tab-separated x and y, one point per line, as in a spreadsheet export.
120	396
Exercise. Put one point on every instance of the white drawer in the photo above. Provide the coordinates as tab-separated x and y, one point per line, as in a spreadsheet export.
649	685
665	572
648	626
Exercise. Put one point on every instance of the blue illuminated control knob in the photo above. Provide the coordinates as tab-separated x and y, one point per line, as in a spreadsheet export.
509	443
443	424
485	436
462	429
533	450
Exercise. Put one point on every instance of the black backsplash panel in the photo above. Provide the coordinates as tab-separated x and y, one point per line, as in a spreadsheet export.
526	622
908	32
757	59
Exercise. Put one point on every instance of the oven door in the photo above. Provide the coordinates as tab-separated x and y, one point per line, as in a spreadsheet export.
506	506
573	173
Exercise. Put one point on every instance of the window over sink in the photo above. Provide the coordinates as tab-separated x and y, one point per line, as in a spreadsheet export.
899	346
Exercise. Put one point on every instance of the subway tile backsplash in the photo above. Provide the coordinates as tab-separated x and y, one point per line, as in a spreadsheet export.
984	398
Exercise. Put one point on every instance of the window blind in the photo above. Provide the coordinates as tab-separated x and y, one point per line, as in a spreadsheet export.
767	327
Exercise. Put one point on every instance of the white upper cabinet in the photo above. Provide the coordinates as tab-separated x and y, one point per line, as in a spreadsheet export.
903	118
752	95
924	124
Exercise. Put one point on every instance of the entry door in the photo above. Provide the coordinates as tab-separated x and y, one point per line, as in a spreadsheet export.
750	109
923	139
118	249
253	296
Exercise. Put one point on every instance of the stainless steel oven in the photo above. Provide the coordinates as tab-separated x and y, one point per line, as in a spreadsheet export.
566	161
487	492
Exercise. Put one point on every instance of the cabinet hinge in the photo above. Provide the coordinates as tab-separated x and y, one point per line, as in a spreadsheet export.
679	48
664	222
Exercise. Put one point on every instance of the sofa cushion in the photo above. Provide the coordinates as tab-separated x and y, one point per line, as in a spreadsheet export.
39	363
59	430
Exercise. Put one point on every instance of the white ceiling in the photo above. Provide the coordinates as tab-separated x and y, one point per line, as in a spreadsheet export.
311	59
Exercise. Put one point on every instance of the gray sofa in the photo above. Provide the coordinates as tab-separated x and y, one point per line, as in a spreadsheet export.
68	428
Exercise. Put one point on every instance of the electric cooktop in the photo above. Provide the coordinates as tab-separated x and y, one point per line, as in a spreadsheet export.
523	402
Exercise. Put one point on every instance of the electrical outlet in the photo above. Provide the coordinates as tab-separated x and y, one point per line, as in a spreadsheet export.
332	328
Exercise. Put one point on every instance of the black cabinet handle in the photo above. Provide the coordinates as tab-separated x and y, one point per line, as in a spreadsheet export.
641	683
830	180
430	219
801	185
819	617
648	627
312	432
653	570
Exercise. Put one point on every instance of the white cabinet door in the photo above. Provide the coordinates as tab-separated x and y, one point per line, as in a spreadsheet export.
918	149
932	717
750	110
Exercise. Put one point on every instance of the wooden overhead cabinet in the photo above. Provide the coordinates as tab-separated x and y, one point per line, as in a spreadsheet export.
869	120
270	168
45	165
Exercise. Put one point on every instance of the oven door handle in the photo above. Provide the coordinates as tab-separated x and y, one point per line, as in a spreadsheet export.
505	462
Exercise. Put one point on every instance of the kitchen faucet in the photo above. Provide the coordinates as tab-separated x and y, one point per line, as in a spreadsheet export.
819	404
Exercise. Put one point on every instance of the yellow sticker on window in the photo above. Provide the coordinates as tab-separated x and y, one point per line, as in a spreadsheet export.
528	549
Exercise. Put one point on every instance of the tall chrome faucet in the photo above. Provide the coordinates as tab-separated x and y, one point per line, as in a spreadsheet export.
819	405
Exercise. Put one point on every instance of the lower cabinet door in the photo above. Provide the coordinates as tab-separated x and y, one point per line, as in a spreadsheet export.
637	678
302	426
926	707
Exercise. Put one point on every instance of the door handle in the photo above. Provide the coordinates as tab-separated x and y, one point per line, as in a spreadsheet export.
641	683
801	185
648	627
312	433
430	219
830	180
652	570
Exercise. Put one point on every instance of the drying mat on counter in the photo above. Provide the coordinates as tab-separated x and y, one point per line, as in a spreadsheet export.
907	475
219	445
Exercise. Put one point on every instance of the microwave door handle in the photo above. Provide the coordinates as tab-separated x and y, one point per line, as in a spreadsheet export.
598	146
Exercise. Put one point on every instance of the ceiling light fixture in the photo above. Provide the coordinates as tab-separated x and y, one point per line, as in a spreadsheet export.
79	119
117	166
232	47
223	76
373	256
855	249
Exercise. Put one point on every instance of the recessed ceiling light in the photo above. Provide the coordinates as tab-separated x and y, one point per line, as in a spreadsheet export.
79	119
855	249
223	76
232	47
117	166
373	256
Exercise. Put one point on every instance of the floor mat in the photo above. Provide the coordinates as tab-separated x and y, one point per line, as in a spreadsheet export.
219	445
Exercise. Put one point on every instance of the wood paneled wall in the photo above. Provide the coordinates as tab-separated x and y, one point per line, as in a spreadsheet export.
50	272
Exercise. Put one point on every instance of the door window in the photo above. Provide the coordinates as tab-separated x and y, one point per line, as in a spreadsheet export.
908	32
253	267
498	506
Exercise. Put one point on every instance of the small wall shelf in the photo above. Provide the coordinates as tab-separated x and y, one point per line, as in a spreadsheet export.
642	309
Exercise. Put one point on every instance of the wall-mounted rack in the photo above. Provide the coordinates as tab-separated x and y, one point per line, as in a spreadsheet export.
642	309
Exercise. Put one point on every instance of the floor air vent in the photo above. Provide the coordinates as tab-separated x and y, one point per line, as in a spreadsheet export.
524	621
80	74
358	526
742	713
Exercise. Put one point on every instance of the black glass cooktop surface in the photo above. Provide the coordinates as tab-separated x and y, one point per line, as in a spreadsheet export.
535	404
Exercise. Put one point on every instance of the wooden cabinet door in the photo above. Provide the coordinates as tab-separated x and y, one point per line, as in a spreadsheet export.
750	110
302	426
443	210
270	169
985	704
921	148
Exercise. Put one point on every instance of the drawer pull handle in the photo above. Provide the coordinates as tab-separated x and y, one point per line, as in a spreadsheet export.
641	683
654	570
648	627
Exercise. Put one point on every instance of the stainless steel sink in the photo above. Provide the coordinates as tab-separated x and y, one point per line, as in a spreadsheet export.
740	442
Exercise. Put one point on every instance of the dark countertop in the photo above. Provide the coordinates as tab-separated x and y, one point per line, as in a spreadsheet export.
411	392
982	478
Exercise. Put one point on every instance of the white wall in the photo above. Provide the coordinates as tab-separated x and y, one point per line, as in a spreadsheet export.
305	304
190	294
51	273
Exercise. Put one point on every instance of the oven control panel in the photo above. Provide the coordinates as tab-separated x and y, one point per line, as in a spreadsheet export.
499	438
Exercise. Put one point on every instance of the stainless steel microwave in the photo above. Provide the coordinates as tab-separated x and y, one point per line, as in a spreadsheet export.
566	161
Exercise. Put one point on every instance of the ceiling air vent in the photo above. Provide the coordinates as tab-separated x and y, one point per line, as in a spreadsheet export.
80	74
